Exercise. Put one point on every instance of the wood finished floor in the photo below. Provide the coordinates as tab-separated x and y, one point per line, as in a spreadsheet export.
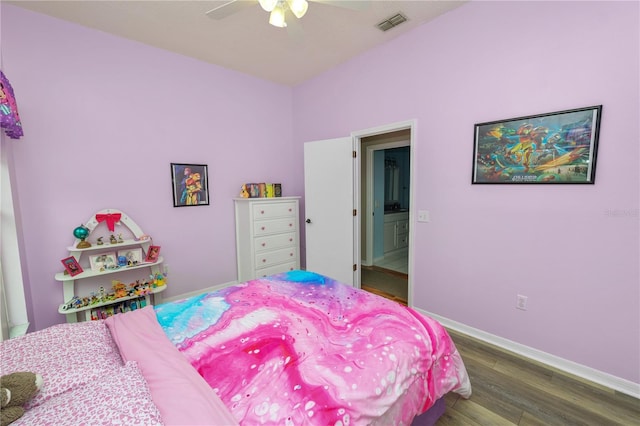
511	390
373	275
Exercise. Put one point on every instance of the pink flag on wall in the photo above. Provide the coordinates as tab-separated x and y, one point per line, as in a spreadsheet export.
9	117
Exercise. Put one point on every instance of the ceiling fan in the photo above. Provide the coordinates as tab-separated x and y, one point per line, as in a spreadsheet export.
279	8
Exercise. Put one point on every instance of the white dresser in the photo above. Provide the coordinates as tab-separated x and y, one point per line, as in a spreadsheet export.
267	236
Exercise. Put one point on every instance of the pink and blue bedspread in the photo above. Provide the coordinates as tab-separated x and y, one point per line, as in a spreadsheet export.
300	348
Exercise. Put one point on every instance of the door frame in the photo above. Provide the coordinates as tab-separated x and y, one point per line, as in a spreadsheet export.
357	137
368	255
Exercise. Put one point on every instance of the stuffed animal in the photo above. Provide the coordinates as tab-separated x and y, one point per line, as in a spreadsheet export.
15	390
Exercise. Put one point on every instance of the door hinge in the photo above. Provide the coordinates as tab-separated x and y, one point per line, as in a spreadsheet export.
354	154
355	267
355	212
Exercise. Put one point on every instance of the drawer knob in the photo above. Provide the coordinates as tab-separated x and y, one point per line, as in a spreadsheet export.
290	210
261	211
262	228
290	239
264	244
291	254
264	260
290	225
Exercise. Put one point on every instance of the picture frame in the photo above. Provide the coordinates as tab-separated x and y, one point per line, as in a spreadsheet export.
71	266
190	184
553	148
133	256
103	261
152	254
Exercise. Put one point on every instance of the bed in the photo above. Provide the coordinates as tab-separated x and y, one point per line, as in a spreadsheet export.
289	349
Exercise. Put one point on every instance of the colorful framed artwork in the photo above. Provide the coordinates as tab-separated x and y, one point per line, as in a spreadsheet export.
103	261
71	266
153	254
133	256
557	147
190	184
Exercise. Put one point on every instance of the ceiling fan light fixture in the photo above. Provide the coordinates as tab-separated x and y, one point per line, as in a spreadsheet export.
277	17
298	7
268	5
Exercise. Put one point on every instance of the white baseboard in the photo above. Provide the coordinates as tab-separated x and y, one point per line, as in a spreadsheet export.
197	292
18	330
605	379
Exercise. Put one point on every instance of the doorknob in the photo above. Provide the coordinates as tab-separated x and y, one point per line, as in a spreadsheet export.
308	220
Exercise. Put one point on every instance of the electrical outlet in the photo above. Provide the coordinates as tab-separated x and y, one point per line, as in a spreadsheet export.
423	216
521	302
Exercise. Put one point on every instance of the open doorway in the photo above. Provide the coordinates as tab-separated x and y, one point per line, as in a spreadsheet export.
385	181
337	222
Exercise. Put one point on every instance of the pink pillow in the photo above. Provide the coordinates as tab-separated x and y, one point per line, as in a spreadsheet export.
181	394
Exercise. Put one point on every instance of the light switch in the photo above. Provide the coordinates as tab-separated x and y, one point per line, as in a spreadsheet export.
423	216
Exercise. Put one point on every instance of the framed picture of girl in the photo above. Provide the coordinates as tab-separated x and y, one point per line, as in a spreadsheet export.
71	266
153	254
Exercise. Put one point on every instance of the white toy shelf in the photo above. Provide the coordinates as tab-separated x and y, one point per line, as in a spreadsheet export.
139	240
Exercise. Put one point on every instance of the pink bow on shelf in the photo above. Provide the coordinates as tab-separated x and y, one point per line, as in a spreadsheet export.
111	219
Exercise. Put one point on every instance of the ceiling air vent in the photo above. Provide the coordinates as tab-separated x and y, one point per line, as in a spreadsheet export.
394	21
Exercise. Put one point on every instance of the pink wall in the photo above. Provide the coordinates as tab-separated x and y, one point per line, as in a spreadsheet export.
129	110
574	249
104	117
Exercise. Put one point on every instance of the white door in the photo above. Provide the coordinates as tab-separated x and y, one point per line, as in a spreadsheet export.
329	203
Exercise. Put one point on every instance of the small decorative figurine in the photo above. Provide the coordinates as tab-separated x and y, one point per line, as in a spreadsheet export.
244	193
120	289
158	280
100	242
112	239
120	240
122	261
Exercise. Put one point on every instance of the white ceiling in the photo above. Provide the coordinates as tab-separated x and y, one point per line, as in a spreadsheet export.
244	41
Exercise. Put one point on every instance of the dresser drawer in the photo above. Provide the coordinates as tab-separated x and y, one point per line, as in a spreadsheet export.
403	226
269	211
274	226
284	267
403	240
270	258
277	241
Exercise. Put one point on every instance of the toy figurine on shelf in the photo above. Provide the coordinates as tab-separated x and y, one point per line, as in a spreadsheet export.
120	240
99	241
112	239
132	289
120	289
93	298
157	280
142	289
73	303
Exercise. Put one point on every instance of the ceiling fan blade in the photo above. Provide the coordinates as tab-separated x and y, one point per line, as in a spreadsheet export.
346	4
229	8
294	29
